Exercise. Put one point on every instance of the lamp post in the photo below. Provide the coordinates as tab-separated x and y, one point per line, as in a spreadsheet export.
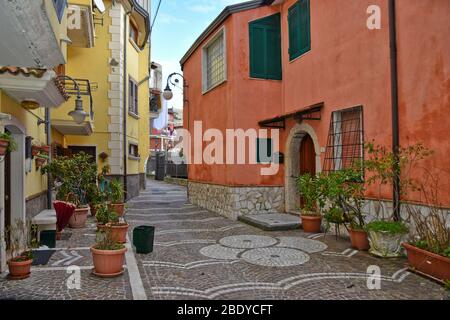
168	95
78	115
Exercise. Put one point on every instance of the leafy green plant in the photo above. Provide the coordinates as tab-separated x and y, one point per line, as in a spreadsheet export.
391	227
105	241
308	188
116	192
12	143
73	176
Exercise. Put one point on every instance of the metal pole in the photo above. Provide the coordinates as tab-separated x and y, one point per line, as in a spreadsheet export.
48	133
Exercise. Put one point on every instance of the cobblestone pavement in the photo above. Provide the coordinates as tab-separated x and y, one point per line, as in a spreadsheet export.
201	255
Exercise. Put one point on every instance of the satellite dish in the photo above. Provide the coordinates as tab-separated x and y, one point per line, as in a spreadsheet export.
100	5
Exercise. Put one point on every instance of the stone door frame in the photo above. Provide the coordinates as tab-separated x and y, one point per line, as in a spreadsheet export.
292	163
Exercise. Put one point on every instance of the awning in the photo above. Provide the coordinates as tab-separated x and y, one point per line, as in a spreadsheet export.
279	122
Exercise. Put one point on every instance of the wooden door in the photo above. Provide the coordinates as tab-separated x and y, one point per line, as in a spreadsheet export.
307	159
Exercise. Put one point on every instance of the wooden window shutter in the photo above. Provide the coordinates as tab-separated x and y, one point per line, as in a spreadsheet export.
299	29
265	48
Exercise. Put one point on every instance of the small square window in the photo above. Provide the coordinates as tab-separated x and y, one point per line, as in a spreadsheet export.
214	62
133	150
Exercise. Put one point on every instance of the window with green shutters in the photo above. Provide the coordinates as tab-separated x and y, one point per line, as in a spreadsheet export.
299	29
264	150
265	48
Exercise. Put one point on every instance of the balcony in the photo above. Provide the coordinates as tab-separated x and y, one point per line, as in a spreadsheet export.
63	123
34	85
34	33
80	26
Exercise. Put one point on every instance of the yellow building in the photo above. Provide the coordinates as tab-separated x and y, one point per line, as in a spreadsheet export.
109	59
49	50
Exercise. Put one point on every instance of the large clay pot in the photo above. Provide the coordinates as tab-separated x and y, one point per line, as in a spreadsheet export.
118	208
4	144
359	239
78	219
108	263
384	244
19	269
119	232
311	224
428	263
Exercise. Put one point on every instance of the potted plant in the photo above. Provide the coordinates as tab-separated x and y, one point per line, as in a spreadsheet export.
108	255
102	216
35	149
7	143
22	258
41	159
311	203
429	251
116	197
384	167
119	228
386	237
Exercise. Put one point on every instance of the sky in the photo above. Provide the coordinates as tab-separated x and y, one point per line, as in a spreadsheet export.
177	26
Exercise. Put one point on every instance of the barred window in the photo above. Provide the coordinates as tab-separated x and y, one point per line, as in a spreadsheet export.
214	64
345	145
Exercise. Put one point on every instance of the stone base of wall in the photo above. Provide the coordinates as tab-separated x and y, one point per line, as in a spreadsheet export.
233	202
36	204
176	181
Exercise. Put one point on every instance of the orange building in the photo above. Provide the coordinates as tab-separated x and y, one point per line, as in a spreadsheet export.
327	76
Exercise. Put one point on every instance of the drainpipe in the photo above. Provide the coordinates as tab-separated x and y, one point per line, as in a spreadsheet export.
125	107
394	105
48	133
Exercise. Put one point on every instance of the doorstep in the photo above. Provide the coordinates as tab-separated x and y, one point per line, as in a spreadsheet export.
272	221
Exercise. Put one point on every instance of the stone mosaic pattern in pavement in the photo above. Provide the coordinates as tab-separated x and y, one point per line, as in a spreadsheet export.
201	255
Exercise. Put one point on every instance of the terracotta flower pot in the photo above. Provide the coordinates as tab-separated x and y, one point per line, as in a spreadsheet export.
108	263
39	162
45	149
4	144
119	232
359	239
311	224
93	210
118	208
35	150
101	227
19	269
428	263
78	219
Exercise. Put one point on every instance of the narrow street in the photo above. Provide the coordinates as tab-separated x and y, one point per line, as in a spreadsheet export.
200	255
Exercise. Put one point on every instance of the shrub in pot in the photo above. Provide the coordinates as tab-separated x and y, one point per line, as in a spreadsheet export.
7	143
119	228
429	251
116	197
386	237
312	202
20	239
108	255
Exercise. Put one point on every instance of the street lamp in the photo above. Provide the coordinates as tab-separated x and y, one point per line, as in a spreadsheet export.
78	115
168	94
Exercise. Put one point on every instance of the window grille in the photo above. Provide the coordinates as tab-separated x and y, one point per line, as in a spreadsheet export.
215	62
345	146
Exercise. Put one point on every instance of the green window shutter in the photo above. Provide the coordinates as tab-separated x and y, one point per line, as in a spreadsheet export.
264	150
299	21
265	48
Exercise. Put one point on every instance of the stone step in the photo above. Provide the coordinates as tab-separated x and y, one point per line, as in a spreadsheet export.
272	221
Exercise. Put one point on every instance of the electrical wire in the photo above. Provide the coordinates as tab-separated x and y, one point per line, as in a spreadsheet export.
156	15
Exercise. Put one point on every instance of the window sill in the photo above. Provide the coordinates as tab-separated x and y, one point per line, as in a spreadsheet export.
134	115
135	46
214	87
133	158
263	79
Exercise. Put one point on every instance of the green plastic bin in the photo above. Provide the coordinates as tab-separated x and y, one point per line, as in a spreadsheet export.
48	238
143	237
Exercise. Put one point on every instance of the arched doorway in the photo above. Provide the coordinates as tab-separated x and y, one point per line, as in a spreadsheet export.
302	156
